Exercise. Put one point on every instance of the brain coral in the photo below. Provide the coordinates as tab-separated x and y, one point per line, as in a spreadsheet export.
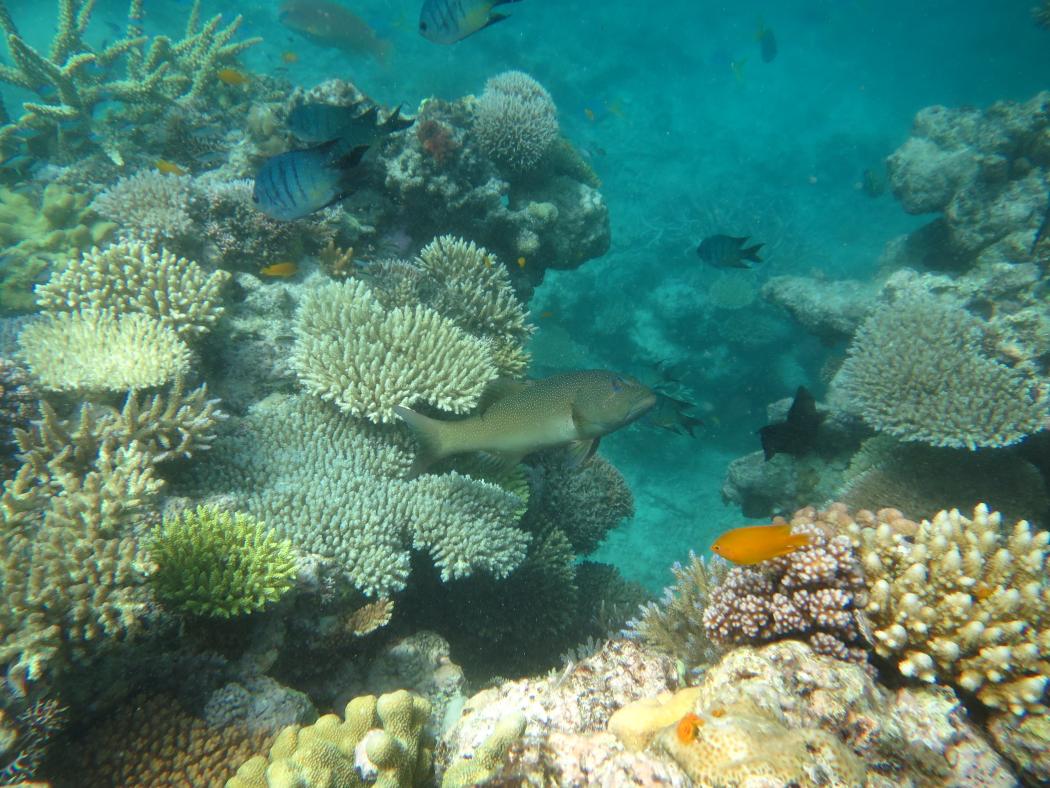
99	350
353	352
918	370
961	600
515	121
130	277
334	485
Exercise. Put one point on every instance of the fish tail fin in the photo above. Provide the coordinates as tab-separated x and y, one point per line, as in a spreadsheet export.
429	434
797	541
751	253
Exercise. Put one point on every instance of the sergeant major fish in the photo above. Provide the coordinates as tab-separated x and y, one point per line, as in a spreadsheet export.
292	185
574	409
449	21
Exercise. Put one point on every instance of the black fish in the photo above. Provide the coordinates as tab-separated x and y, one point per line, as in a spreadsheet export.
727	251
324	122
768	44
797	435
295	184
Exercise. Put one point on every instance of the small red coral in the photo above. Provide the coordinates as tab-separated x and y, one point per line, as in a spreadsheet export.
437	140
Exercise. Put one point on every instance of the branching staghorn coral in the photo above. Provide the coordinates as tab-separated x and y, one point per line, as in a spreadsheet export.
962	601
334	485
213	563
515	120
130	277
73	78
918	370
99	350
150	206
351	351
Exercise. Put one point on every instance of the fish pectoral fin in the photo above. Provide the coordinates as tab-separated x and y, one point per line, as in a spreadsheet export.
495	17
578	452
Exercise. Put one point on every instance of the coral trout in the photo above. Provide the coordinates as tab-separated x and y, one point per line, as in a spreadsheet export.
754	543
332	25
574	409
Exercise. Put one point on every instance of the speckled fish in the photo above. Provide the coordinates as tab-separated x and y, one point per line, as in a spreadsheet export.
323	122
292	185
333	25
754	543
727	251
574	409
449	21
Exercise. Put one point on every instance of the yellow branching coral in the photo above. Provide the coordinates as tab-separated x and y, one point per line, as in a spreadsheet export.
960	600
367	360
99	350
130	277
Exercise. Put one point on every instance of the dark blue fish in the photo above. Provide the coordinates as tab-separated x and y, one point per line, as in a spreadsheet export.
449	21
767	42
727	251
323	122
295	184
797	434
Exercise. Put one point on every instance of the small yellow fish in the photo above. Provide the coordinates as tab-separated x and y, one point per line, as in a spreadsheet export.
169	168
231	76
282	270
521	262
289	57
754	543
589	113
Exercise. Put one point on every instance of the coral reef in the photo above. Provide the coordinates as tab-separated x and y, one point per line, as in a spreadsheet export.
367	360
984	171
24	745
212	563
378	742
99	350
131	277
334	486
918	370
151	207
830	310
515	120
960	600
487	757
18	407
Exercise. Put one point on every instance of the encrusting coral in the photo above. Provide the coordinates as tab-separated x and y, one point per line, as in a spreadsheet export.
212	563
351	351
131	277
959	600
94	351
515	120
379	742
488	756
334	485
918	370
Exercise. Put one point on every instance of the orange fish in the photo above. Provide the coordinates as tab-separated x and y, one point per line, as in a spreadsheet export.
333	25
754	543
169	168
231	76
289	57
521	262
282	270
688	728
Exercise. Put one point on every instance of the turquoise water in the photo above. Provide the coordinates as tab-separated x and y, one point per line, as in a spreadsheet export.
691	133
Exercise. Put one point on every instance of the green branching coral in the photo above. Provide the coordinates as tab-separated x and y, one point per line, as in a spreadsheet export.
211	563
367	360
919	369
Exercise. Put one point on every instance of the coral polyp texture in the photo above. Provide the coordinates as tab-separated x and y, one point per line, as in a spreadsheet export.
132	277
217	564
918	369
335	486
379	742
366	359
149	206
515	120
99	350
963	601
810	594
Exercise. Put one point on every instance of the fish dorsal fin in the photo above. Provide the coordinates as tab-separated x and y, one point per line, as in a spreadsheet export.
578	452
500	389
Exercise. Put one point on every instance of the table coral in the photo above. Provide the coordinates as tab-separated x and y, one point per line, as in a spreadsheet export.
212	563
367	360
960	600
379	742
95	351
131	277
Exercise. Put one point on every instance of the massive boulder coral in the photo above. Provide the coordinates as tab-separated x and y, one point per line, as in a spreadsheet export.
515	120
335	486
985	171
367	360
131	277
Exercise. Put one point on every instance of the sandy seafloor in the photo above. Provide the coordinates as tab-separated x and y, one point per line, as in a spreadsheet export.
684	142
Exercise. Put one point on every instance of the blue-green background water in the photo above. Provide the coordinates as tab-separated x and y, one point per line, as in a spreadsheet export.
685	145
